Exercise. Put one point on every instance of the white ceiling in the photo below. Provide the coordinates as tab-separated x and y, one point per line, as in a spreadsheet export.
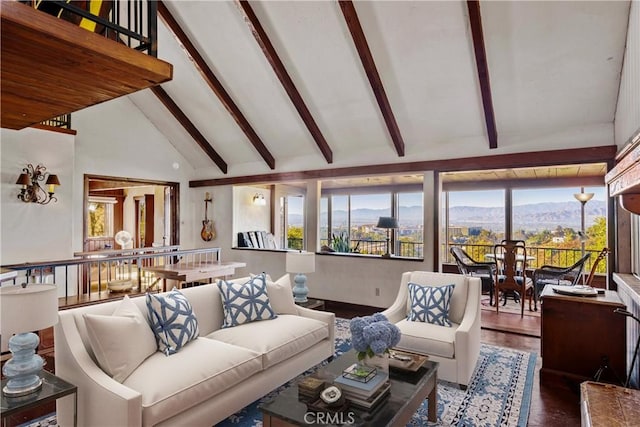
554	69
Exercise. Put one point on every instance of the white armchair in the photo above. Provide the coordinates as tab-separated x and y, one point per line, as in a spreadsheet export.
456	348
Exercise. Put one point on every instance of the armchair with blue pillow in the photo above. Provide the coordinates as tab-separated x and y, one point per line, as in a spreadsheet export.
438	315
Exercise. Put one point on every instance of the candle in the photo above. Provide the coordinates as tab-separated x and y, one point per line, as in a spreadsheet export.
52	188
206	196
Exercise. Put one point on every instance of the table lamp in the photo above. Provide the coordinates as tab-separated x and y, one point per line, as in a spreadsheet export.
388	223
25	308
300	262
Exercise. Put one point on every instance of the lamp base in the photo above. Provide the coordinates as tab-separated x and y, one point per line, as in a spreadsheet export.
300	290
17	392
23	368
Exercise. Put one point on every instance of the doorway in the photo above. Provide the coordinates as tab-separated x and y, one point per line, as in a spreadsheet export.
147	210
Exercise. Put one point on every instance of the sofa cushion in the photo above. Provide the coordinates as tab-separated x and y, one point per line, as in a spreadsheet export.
198	372
245	302
281	295
122	341
430	303
426	338
173	321
277	339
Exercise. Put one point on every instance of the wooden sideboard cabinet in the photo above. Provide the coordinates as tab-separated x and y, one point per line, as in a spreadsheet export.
581	335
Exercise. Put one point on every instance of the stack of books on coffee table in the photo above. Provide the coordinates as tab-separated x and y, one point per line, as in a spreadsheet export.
365	392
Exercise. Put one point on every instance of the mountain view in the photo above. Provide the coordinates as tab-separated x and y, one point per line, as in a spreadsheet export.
530	217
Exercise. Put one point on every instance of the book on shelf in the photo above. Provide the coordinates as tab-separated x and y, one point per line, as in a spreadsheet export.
373	401
363	390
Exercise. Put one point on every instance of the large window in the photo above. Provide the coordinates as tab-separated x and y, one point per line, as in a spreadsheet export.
553	223
474	220
292	221
351	219
100	220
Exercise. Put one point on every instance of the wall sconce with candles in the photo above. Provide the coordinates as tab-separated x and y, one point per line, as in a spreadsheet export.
259	200
31	191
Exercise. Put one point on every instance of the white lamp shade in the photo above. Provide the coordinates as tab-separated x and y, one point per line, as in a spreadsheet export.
28	309
583	197
301	262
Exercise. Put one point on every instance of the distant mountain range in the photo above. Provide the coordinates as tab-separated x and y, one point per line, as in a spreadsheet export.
531	217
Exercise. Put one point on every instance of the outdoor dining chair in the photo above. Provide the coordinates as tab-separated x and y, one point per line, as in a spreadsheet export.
470	267
511	258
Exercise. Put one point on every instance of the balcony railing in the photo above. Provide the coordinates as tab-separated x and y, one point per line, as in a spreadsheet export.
560	257
131	22
379	247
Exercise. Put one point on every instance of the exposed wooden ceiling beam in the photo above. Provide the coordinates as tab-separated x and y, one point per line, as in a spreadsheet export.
189	127
569	156
483	70
215	85
278	67
369	65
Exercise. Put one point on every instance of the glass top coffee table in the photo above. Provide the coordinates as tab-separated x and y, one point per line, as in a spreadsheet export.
408	391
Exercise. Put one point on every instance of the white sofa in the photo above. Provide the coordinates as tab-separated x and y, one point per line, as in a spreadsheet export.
212	377
455	348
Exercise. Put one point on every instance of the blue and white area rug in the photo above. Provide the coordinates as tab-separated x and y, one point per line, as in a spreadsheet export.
499	393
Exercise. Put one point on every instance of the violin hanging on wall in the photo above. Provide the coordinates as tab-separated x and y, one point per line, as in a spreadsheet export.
208	231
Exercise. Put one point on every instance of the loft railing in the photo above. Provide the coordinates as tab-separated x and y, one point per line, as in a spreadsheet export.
90	277
131	22
63	121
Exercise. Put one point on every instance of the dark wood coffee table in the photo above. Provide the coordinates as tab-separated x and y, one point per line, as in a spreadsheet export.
408	391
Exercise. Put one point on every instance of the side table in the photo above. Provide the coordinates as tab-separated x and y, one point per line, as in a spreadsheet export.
313	304
53	388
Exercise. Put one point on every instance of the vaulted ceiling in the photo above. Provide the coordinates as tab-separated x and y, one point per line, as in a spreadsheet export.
277	86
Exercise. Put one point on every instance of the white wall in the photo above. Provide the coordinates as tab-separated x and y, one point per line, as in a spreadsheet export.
627	120
30	231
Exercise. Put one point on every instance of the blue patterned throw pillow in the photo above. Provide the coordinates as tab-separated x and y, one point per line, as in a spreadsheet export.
245	302
430	304
172	320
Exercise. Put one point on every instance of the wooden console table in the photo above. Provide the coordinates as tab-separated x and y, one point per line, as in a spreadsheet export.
580	335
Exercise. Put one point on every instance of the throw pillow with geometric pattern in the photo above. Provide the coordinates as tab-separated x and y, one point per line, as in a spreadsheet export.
430	304
245	302
172	320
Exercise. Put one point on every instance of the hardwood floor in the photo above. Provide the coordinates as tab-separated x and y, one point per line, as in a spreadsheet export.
551	404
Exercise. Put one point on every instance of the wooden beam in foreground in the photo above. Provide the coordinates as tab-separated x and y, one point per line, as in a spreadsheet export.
215	85
189	127
278	67
483	70
516	160
369	65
